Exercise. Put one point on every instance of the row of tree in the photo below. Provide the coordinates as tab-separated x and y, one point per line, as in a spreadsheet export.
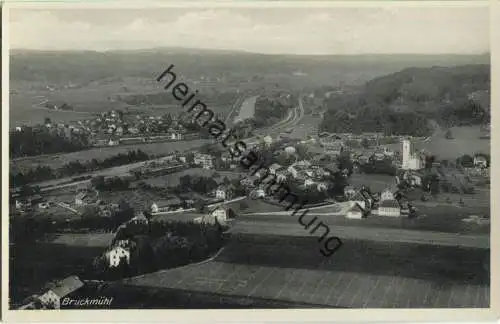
42	173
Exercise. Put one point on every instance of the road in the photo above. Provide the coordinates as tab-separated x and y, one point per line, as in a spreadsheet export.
293	228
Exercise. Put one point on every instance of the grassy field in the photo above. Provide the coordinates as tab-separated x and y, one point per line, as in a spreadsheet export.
376	182
57	160
95	97
361	274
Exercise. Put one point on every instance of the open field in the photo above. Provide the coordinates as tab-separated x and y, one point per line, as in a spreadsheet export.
57	160
376	182
308	126
441	218
26	104
361	274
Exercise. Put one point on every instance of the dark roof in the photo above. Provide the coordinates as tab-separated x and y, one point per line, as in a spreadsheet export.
356	208
358	196
391	203
67	286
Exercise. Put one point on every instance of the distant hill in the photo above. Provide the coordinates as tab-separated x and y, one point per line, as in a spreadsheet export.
402	102
300	71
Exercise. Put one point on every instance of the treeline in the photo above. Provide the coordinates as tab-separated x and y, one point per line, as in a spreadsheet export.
270	110
402	103
36	141
43	173
375	166
377	120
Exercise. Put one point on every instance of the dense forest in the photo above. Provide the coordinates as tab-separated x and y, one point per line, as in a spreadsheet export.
402	103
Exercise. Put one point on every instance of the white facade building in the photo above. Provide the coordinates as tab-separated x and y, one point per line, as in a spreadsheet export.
115	255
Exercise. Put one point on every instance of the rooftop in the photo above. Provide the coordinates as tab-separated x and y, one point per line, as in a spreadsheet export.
390	203
67	286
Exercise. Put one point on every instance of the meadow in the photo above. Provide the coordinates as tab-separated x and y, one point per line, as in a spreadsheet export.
362	274
58	160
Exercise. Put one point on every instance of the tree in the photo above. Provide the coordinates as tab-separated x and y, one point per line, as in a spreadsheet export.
199	205
302	151
466	161
365	143
98	182
124	213
345	163
429	160
243	205
190	158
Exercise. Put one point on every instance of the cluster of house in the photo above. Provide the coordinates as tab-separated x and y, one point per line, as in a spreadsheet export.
303	172
63	130
363	203
110	128
113	129
186	202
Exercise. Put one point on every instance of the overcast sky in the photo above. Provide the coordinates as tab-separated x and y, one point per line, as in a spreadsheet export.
426	30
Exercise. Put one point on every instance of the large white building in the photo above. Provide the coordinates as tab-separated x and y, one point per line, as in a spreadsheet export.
411	161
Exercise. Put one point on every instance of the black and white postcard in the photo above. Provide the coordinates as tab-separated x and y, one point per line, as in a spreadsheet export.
237	156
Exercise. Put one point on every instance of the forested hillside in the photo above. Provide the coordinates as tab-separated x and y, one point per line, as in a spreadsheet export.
403	102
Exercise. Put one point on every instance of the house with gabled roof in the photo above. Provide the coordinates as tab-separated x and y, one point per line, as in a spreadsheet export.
52	298
362	198
356	212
